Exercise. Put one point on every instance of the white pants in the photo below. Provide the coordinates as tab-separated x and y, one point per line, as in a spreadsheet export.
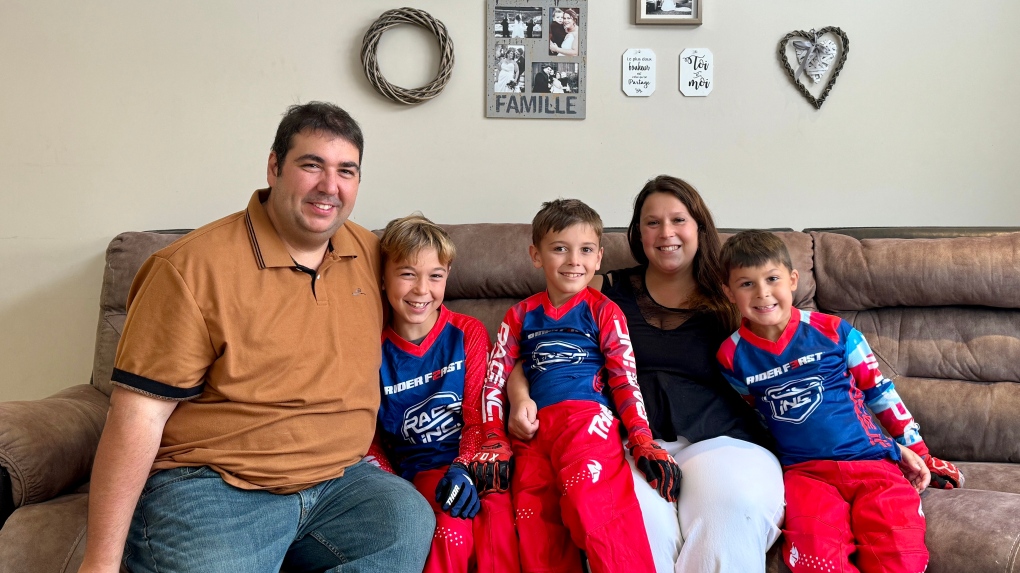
730	509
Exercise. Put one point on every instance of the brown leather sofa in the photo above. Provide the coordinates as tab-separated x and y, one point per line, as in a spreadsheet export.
940	307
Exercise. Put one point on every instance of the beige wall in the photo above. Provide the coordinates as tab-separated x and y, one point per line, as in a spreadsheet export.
128	115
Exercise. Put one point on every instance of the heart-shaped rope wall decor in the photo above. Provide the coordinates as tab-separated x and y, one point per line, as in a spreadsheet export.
815	55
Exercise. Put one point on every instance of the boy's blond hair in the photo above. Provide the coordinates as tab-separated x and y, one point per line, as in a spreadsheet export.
404	238
554	216
753	248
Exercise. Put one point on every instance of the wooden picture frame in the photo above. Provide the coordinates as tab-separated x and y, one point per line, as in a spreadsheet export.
681	12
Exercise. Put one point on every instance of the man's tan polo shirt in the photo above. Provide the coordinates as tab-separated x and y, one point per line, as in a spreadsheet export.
278	382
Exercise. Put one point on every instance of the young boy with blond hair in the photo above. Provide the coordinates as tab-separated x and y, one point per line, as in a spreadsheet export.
571	486
811	376
433	365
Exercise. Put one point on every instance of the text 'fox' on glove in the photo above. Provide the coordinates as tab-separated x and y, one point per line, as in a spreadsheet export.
944	475
660	469
456	493
492	465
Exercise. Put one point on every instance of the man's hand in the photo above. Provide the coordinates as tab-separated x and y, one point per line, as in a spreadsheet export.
914	469
944	475
492	466
660	469
457	494
523	419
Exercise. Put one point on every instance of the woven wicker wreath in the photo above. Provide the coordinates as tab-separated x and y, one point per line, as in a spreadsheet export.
396	17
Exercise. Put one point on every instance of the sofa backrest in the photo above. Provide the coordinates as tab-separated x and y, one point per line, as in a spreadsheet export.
124	256
492	272
943	318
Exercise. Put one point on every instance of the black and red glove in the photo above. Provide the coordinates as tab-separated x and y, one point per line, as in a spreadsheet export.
944	475
493	463
660	469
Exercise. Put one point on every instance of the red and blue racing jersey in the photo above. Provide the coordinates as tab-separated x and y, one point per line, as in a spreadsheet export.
569	353
430	413
813	387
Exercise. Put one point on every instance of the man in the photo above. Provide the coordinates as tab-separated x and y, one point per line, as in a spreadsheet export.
247	387
542	79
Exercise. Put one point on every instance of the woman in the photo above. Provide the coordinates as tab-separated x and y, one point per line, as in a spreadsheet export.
517	27
507	72
568	47
731	500
557	85
731	497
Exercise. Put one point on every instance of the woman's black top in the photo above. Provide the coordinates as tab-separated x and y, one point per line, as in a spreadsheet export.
685	394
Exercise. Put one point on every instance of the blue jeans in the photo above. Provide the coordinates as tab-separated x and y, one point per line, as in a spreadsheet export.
190	520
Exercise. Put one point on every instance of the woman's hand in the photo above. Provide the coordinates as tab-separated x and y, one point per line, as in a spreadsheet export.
913	469
523	422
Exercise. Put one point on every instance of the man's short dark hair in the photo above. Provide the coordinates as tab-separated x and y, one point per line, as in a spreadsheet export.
554	216
754	248
318	117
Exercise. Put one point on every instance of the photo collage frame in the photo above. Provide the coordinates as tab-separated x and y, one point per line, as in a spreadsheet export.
536	58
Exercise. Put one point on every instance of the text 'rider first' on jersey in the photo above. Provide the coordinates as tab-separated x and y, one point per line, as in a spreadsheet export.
431	394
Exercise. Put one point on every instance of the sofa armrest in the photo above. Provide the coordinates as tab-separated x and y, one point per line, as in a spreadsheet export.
47	445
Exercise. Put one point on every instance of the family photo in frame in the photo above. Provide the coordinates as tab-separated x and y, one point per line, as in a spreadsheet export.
682	12
536	58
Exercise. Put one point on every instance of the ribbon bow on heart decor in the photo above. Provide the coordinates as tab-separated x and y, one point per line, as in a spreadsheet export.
815	55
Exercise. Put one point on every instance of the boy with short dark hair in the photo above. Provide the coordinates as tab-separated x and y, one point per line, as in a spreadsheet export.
571	486
433	364
810	376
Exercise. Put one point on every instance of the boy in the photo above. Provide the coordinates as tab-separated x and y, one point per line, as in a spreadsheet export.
810	376
571	481
433	363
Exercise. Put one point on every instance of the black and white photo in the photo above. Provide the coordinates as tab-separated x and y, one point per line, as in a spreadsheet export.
508	71
685	12
564	36
518	22
555	77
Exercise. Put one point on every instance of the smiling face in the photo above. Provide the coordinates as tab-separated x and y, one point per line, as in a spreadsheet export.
764	296
669	235
569	259
568	21
314	190
415	291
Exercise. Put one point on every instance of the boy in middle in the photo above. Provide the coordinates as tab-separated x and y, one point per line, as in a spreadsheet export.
433	363
571	486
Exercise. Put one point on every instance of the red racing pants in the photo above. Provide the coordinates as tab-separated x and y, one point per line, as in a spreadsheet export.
854	516
573	489
486	544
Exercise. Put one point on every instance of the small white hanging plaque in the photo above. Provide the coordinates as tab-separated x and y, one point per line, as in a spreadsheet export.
638	72
696	70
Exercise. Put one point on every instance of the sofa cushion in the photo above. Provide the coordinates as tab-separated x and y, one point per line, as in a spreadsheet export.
963	420
953	342
875	273
46	537
991	476
124	256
